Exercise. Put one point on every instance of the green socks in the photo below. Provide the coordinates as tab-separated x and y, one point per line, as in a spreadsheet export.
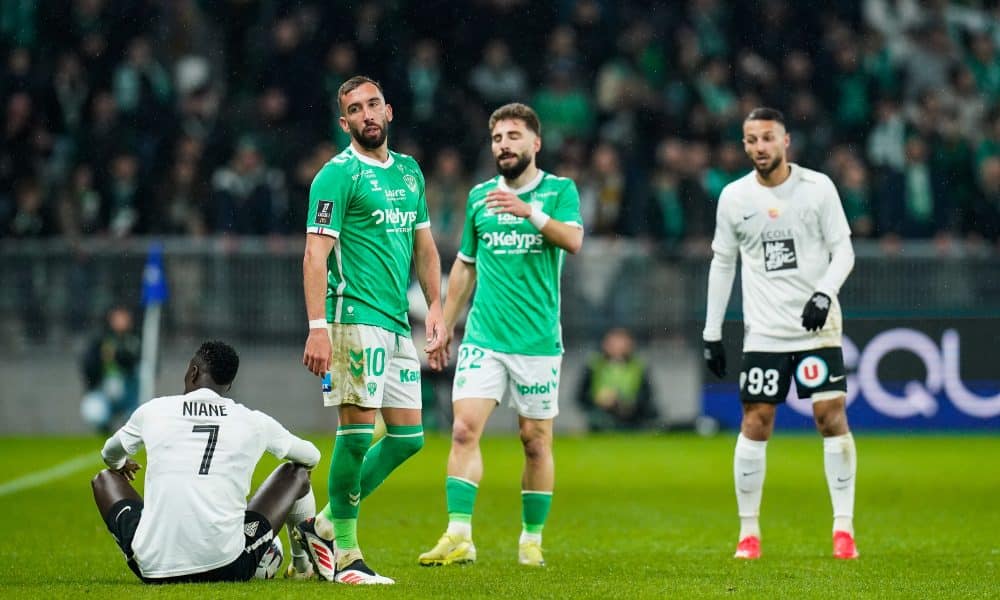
461	495
344	484
534	510
400	443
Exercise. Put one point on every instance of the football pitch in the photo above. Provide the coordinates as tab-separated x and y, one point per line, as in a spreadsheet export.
632	517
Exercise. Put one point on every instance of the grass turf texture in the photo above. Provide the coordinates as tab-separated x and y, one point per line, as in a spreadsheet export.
633	516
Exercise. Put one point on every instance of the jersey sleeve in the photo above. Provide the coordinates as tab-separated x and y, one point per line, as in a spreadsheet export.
328	197
567	207
470	241
423	216
724	242
130	434
833	221
277	439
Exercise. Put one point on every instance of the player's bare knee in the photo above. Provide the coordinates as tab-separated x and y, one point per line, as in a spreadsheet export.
758	421
537	448
464	434
831	422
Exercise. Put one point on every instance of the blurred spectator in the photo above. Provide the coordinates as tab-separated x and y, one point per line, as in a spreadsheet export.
290	70
913	202
728	167
82	210
181	200
496	79
341	65
856	196
31	218
680	209
128	199
887	139
447	190
615	389
426	88
110	368
851	94
602	192
984	62
984	218
990	145
29	221
248	197
563	108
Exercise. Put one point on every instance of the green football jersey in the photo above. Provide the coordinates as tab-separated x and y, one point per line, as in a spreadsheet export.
516	307
372	209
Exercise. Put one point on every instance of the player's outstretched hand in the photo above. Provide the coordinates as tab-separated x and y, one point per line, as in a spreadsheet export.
815	311
129	469
715	358
316	357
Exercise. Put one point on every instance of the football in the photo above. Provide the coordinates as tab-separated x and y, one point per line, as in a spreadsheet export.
271	561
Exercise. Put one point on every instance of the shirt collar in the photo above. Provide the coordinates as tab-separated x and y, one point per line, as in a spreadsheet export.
537	179
371	161
206	394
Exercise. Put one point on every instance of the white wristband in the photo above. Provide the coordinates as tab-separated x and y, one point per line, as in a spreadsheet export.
538	218
317	323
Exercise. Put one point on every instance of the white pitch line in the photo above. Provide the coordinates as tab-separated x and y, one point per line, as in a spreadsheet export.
51	474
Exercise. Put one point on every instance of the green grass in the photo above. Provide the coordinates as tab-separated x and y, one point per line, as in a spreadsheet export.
635	516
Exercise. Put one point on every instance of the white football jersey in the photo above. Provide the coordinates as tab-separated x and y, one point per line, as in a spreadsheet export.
784	236
201	451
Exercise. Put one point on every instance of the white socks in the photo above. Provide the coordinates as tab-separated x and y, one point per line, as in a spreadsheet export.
840	461
749	464
460	529
301	509
324	526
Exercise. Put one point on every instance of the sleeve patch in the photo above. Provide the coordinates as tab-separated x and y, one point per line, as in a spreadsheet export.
324	212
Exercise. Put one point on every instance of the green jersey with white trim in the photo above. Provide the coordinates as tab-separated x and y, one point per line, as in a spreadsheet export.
516	306
373	210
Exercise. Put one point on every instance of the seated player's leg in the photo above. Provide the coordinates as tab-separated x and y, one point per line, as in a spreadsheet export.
401	411
286	496
764	381
480	381
822	378
534	390
120	507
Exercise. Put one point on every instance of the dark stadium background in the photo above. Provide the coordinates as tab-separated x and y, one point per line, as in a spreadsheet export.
199	125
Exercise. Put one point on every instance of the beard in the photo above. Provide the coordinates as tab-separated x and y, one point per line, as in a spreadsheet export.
371	143
768	168
514	171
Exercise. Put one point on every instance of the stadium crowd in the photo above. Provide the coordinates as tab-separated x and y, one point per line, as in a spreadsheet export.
197	117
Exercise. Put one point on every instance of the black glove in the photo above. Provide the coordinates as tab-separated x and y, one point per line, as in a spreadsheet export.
715	358
814	314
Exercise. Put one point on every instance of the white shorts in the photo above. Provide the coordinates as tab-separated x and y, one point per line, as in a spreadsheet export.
371	367
531	382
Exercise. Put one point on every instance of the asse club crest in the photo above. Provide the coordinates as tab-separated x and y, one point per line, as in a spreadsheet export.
411	182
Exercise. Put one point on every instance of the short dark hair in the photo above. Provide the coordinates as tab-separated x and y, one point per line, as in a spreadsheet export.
354	83
516	110
220	359
763	113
